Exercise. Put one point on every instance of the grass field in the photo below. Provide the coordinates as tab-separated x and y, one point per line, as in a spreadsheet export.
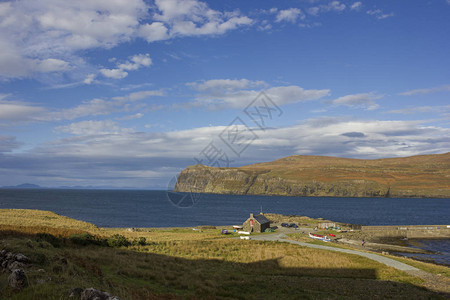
182	263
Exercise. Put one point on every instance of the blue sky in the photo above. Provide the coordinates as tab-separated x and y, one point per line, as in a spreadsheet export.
126	93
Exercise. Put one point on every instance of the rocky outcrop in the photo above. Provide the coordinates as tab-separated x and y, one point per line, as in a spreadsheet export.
296	176
14	263
94	294
10	261
17	279
75	292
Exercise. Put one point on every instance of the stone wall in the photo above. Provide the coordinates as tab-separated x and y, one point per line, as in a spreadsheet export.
409	231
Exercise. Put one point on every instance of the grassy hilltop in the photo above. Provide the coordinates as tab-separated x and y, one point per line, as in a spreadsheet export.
180	263
298	175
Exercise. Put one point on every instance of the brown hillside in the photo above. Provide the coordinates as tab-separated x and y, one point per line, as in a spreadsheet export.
415	176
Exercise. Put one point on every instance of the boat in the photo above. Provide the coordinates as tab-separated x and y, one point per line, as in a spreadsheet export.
319	237
244	232
237	227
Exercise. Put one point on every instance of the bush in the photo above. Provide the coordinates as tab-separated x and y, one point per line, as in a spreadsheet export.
141	241
118	240
85	239
49	238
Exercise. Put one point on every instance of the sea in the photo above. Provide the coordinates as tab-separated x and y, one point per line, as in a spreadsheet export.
145	208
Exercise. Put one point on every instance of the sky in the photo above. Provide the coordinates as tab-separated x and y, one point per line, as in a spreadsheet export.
127	93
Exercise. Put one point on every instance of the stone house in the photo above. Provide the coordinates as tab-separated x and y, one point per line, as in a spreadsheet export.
257	223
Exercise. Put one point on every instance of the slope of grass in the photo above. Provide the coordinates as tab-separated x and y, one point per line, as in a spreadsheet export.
181	263
204	269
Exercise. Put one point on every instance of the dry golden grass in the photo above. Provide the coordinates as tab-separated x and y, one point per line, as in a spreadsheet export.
285	256
166	234
29	221
41	218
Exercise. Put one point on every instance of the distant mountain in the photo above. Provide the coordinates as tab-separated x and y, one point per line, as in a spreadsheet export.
318	176
23	186
76	187
90	187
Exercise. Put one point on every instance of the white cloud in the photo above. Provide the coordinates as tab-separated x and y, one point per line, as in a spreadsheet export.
264	26
96	107
43	35
48	35
365	100
378	13
225	93
155	31
16	111
89	79
132	117
191	18
50	65
93	128
356	6
114	73
374	138
135	62
439	109
335	6
139	95
8	143
289	15
441	88
225	84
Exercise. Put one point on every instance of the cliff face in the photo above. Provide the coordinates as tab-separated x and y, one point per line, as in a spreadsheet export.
419	176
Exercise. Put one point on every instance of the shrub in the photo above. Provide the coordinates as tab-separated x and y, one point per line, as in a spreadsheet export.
140	241
85	239
118	240
49	238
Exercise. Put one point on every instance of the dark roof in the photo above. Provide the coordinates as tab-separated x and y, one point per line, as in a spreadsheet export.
261	219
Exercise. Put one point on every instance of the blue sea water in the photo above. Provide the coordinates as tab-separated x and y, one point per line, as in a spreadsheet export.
440	246
125	208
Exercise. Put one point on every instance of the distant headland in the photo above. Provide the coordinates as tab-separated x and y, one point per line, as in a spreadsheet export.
422	176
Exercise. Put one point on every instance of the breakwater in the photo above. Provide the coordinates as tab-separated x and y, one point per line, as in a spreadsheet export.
409	231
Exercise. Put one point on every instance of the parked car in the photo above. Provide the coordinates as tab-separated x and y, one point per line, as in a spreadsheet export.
292	225
284	225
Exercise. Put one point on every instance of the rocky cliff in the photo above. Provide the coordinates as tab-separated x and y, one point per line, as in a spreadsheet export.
415	176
